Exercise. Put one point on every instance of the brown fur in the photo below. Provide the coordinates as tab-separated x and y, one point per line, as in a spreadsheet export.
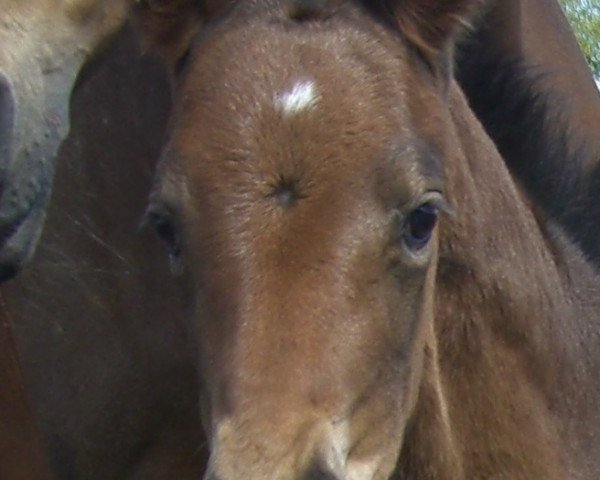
167	27
106	356
483	371
22	452
102	444
530	86
432	26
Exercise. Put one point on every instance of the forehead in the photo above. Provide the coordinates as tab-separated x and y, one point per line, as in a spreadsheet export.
295	99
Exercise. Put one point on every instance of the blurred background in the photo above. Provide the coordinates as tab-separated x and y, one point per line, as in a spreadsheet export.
584	15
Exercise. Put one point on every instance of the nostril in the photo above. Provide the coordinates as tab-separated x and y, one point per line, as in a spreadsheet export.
319	472
7	119
315	472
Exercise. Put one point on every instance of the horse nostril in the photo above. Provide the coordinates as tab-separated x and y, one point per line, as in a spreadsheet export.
7	119
319	472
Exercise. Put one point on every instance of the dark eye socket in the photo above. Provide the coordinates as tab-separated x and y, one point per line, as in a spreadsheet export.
419	225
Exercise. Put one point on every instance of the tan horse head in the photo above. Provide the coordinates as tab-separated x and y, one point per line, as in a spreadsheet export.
44	44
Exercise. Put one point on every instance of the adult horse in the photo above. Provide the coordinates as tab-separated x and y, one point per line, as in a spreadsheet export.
528	82
377	296
45	43
22	452
107	358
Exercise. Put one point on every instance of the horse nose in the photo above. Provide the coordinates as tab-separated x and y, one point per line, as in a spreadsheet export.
316	472
319	472
7	119
299	447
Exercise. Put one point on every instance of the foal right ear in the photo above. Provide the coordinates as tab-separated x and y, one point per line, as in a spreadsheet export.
430	26
168	27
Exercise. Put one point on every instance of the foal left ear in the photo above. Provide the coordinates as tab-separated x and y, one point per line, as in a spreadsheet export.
431	26
168	27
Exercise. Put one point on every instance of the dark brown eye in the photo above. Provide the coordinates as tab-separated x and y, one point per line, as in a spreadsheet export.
182	61
419	225
165	229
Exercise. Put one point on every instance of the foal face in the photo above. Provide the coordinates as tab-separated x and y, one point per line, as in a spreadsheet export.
298	195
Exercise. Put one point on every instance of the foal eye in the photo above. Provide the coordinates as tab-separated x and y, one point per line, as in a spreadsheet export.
183	61
418	226
163	225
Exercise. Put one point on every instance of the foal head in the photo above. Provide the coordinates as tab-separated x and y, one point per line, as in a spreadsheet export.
299	195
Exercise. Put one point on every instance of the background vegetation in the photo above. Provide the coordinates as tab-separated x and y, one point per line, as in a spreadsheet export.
585	18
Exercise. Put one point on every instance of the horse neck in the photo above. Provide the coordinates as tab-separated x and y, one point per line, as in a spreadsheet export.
529	84
509	347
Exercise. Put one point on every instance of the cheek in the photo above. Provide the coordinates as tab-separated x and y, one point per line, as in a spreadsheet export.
384	346
392	311
380	415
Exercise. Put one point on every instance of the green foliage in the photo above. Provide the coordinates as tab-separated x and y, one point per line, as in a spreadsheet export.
585	19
